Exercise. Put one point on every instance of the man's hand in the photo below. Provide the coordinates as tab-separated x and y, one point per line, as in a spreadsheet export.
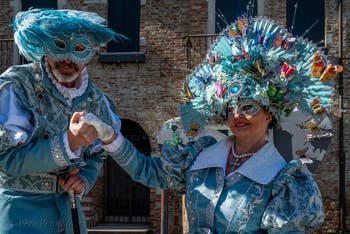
73	181
80	133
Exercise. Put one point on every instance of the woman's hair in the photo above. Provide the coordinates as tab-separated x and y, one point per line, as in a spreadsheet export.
274	123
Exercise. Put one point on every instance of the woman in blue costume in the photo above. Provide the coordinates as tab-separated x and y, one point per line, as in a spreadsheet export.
255	76
45	150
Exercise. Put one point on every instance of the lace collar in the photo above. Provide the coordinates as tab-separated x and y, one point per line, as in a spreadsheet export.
70	93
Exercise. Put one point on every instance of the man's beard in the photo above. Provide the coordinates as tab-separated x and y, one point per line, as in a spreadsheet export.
61	78
64	78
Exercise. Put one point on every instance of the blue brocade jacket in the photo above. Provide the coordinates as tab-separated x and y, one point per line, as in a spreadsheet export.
265	195
34	118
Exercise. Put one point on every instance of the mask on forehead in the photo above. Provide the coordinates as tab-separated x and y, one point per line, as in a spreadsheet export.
77	47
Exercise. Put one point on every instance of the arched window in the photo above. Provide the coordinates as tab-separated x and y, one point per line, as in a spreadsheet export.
127	201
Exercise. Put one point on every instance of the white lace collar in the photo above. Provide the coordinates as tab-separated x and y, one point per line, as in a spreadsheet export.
70	93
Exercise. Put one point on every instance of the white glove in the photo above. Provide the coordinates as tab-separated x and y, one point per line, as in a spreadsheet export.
104	131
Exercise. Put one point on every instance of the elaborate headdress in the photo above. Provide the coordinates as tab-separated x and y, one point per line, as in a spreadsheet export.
257	59
60	33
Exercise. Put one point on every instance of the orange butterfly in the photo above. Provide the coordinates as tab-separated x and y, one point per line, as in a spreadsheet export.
318	65
330	72
325	72
316	106
187	95
194	129
310	124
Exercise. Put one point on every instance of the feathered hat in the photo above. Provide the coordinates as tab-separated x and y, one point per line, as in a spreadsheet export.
257	59
42	31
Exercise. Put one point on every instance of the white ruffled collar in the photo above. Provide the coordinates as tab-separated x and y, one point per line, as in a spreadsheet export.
70	93
262	167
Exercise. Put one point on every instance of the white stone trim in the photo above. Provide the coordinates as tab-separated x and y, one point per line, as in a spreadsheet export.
211	16
260	7
16	5
95	1
61	3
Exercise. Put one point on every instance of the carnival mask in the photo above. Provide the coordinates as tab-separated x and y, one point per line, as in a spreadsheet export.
74	46
247	107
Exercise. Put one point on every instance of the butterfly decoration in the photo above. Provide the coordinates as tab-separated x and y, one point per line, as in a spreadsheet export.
239	29
213	59
330	72
245	55
287	70
325	72
309	124
258	70
319	134
220	91
318	65
194	130
232	33
263	39
316	106
278	40
187	95
242	23
288	43
314	132
260	66
175	141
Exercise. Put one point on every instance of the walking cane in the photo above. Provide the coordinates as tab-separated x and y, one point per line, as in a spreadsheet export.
75	218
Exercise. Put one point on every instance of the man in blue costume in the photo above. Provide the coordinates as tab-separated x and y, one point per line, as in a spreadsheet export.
45	149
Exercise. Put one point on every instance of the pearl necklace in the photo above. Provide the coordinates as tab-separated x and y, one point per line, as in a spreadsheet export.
237	163
240	155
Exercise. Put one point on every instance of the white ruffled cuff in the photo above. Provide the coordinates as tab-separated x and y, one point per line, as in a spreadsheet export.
114	146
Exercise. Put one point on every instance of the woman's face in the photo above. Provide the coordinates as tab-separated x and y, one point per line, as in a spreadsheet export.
249	120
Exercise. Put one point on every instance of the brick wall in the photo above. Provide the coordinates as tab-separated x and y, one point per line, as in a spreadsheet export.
327	175
5	10
276	10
